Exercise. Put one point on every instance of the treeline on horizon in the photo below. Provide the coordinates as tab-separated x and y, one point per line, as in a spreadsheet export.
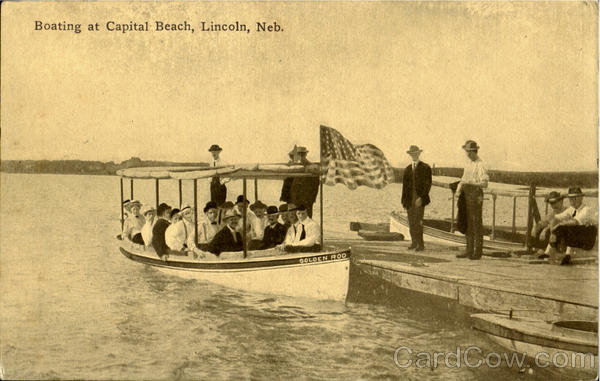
585	179
81	167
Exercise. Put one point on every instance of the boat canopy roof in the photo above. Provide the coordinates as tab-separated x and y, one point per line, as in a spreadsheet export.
236	171
501	189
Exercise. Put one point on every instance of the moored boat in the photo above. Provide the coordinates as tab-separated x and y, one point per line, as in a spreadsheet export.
319	273
572	344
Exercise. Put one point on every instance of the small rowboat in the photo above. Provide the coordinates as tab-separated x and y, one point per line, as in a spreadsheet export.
438	230
572	344
375	232
321	274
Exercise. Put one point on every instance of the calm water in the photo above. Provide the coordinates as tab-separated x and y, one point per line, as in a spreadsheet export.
73	307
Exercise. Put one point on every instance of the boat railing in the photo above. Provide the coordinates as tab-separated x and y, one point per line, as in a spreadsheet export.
530	193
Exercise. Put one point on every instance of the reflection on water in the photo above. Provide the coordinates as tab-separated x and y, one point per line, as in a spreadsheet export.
73	307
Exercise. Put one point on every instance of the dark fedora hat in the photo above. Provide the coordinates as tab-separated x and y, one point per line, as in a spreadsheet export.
553	197
272	209
210	205
215	147
283	207
291	207
574	192
227	205
414	149
301	208
470	145
241	198
301	150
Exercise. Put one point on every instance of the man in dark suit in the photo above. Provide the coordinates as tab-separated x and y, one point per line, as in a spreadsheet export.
304	190
274	231
228	238
158	231
416	184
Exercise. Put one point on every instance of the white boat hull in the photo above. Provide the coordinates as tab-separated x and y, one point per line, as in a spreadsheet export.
323	275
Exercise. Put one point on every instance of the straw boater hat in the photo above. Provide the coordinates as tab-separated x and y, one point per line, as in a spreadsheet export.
147	209
133	203
414	149
470	145
214	148
230	214
574	192
553	197
258	205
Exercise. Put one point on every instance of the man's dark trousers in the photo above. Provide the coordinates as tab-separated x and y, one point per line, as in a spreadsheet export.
415	223
474	198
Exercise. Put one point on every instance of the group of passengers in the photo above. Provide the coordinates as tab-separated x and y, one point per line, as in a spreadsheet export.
565	227
173	231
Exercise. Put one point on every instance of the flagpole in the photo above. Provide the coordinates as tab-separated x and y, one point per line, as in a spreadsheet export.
321	185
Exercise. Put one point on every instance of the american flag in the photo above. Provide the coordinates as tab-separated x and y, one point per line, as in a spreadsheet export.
352	165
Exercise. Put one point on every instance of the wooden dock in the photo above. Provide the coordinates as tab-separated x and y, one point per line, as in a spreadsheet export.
528	287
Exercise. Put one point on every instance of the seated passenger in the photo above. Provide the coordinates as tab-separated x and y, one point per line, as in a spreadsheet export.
149	214
133	224
283	216
179	236
579	230
228	238
158	231
208	227
253	227
227	205
303	235
274	231
557	213
259	209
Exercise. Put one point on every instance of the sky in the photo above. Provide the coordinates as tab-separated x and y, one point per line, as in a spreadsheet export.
519	78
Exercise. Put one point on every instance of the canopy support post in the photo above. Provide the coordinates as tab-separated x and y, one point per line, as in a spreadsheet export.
514	219
255	189
180	193
493	216
131	188
122	215
244	217
321	209
530	203
156	192
195	208
452	216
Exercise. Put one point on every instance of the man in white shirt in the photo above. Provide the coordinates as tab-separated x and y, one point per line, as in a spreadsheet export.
304	234
253	226
208	227
179	236
557	213
579	229
475	178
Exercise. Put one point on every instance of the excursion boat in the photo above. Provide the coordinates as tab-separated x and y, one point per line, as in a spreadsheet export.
323	274
571	344
501	238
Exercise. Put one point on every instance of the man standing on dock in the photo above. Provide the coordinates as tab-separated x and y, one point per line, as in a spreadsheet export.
416	184
474	179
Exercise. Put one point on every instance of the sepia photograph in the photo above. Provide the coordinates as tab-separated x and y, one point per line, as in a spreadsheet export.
299	190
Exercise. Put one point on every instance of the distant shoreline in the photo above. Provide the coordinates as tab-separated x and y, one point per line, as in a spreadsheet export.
562	179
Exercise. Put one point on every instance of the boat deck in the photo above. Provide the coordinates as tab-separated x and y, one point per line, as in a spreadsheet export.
494	283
